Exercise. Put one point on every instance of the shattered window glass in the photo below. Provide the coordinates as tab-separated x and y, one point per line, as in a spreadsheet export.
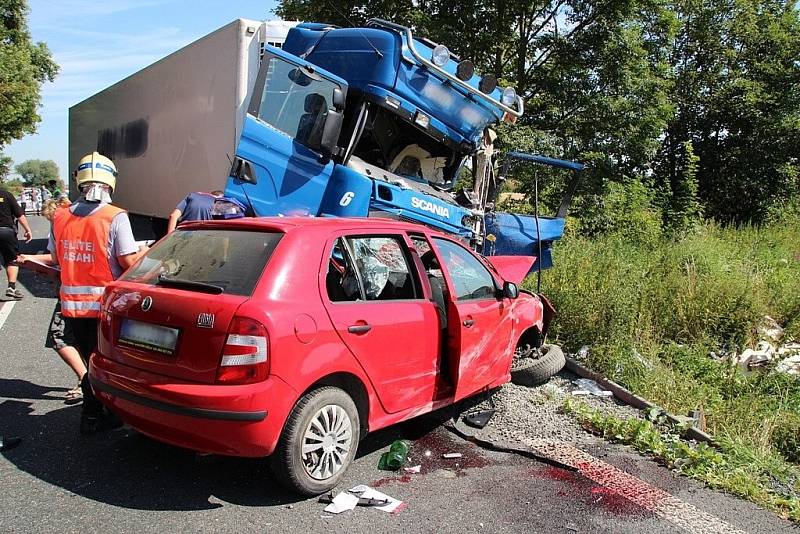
381	261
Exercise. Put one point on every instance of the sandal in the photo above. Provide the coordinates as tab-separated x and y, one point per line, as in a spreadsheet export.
74	395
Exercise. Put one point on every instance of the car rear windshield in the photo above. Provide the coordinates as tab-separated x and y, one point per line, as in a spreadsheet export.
189	259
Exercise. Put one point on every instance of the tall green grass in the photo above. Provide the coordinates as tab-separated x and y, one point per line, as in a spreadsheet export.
653	310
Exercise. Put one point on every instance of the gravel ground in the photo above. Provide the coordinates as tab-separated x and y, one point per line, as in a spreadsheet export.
525	413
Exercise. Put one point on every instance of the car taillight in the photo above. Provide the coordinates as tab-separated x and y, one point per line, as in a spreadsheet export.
244	356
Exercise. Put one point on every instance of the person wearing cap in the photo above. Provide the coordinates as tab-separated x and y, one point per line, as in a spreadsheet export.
93	243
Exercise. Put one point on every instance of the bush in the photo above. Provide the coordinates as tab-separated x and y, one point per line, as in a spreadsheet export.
786	438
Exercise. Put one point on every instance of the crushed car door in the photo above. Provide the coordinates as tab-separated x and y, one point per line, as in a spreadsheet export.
479	320
281	166
375	300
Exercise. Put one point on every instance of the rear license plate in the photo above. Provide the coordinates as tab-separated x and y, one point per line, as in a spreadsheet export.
148	336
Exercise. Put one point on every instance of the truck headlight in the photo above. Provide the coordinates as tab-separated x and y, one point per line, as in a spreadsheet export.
465	70
440	55
509	96
487	84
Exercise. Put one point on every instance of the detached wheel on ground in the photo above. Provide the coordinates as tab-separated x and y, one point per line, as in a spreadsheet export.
318	442
537	369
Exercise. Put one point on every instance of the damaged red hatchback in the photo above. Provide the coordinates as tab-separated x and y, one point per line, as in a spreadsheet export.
295	337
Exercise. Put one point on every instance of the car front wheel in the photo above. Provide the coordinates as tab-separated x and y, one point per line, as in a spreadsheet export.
318	442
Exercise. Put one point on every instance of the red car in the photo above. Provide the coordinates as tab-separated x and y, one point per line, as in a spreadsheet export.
294	337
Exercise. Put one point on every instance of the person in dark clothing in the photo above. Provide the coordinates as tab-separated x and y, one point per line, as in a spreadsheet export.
194	207
10	214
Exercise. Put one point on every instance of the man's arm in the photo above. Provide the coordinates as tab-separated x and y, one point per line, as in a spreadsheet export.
24	222
124	245
173	220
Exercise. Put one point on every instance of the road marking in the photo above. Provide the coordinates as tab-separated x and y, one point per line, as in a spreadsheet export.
5	311
649	497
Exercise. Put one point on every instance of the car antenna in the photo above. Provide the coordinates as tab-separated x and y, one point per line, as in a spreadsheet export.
241	184
333	6
538	233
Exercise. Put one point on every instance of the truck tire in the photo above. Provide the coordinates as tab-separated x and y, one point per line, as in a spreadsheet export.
331	415
537	370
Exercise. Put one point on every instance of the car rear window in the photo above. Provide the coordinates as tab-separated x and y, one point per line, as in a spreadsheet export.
230	259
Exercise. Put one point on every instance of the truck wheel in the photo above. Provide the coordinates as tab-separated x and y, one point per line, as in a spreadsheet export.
537	370
318	442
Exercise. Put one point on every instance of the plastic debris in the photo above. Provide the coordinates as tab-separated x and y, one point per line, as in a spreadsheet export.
341	503
479	419
365	492
790	365
758	357
451	455
395	457
412	470
770	330
582	353
592	387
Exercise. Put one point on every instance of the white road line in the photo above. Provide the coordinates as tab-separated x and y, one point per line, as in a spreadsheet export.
5	311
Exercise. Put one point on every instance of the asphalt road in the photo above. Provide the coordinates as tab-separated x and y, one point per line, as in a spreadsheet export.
58	481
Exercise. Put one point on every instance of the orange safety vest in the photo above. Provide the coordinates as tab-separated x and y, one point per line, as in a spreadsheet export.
82	253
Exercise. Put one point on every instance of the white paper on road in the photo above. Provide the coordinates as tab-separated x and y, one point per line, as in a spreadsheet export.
365	492
341	503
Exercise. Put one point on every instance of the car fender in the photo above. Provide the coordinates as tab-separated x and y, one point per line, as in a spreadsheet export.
529	312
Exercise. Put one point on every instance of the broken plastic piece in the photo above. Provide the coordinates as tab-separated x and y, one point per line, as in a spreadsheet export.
450	455
479	419
592	387
412	470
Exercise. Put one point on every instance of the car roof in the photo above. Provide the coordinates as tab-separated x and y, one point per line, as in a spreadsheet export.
287	224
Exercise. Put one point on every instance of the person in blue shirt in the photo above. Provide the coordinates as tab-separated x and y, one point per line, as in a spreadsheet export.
194	207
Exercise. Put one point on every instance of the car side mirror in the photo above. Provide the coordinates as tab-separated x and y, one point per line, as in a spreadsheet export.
510	290
242	170
338	99
330	133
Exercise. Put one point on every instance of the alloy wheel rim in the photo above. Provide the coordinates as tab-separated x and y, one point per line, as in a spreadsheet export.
326	442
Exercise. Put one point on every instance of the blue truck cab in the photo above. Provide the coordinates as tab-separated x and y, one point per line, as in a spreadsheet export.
364	121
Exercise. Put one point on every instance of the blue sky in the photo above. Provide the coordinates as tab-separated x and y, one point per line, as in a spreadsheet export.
99	42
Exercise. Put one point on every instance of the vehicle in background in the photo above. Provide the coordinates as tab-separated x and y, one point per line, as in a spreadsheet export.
344	122
220	341
172	127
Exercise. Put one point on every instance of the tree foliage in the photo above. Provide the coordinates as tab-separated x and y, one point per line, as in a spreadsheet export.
24	67
5	166
37	172
690	98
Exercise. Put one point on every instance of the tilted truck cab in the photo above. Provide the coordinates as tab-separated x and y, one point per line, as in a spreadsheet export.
357	122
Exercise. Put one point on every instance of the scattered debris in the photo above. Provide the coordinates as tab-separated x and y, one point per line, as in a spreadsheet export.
582	354
450	455
479	419
395	457
770	330
790	365
365	492
341	503
412	470
758	357
591	386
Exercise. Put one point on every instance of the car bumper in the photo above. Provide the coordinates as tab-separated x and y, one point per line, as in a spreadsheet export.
234	420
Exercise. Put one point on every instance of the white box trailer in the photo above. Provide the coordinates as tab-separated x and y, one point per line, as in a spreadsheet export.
171	127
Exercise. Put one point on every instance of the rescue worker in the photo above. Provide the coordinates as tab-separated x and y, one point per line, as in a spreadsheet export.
93	243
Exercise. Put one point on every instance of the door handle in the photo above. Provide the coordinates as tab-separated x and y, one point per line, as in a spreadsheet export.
469	322
359	328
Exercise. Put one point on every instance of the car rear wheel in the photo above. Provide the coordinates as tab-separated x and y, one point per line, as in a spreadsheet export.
532	367
318	442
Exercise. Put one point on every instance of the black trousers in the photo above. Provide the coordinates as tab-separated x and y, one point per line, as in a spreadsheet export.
82	334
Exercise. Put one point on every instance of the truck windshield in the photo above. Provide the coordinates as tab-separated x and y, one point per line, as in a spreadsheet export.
295	101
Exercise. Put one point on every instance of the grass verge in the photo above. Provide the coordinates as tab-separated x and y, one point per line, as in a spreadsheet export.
654	312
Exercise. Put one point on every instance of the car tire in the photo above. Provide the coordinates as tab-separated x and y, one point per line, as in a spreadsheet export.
534	371
329	413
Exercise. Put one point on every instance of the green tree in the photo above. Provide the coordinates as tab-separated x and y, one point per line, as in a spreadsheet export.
5	166
24	67
680	202
37	172
737	96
